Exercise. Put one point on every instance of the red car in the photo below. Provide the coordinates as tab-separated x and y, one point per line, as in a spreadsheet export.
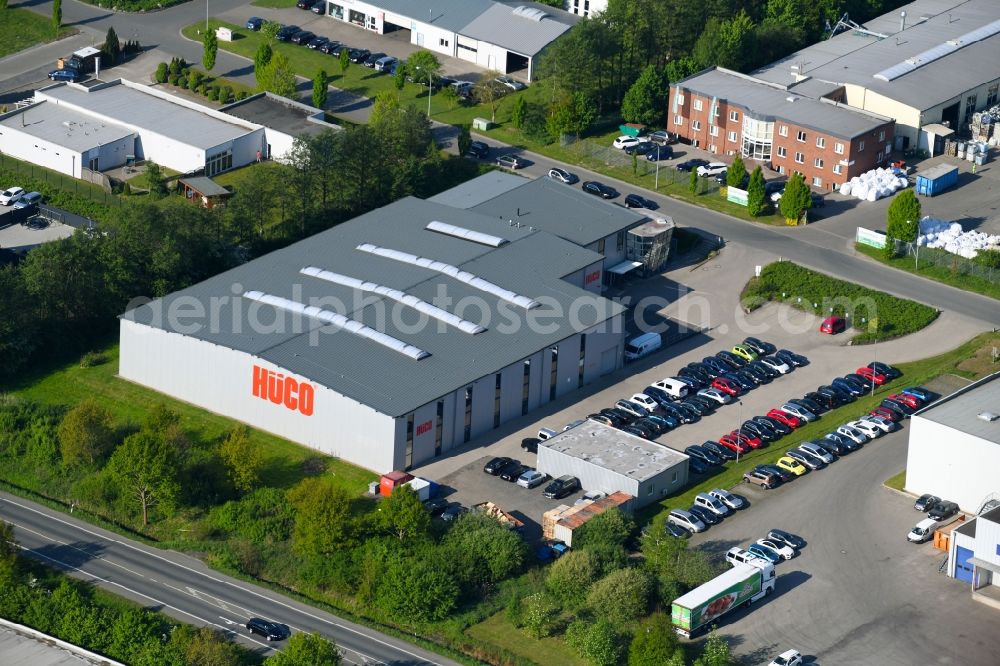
893	416
784	418
727	386
733	444
832	325
907	399
747	438
871	375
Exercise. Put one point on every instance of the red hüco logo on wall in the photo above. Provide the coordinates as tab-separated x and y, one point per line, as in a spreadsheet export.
282	390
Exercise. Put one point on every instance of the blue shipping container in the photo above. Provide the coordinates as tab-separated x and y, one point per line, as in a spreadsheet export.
937	179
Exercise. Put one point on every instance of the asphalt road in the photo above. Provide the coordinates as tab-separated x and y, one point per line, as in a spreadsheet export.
186	589
859	592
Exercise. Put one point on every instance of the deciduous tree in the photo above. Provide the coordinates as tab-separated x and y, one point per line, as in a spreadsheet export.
518	112
345	61
322	517
464	139
156	180
261	59
86	434
570	114
279	78
537	614
654	642
480	549
269	30
902	220
243	459
417	590
423	67
597	642
145	468
727	43
306	650
646	101
796	199
570	577
489	91
56	16
611	528
403	515
621	595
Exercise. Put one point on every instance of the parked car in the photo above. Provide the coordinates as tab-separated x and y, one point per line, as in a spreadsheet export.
777	425
372	59
704	515
640	148
590	496
660	137
920	392
807	459
385	63
478	149
453	512
840	394
513	471
599	189
495	466
319	7
698	466
870	430
675	530
358	56
436	505
691	164
318	43
734	361
786	538
887	413
825	401
781	548
330	46
760	346
807	403
636	201
833	325
255	23
712	504
737	555
510	161
66	74
711	169
727	386
943	510
762	371
561	487
562	176
307	4
624	141
660	153
848	385
686	520
271	631
885	425
885	369
732	501
835	444
907	399
791	465
530	444
900	407
511	84
787	658
715	395
801	413
791	358
755	429
703	406
11	195
719	450
814	449
872	376
764	553
28	200
776	364
285	32
734	443
761	477
926	502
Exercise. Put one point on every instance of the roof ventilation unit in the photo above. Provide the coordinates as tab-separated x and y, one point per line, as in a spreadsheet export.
339	321
395	294
466	234
989	417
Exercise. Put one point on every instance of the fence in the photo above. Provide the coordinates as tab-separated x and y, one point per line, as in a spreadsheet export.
924	257
591	151
56	180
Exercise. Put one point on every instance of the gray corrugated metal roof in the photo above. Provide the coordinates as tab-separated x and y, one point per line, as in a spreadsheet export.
615	450
20	646
531	263
130	106
769	102
855	59
447	14
64	127
961	409
482	188
499	25
560	209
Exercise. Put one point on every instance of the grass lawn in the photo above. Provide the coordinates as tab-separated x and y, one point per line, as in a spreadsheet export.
550	651
915	373
70	383
274	4
21	28
897	481
948	275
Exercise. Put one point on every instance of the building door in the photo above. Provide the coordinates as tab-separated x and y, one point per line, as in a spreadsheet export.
609	359
420	39
963	570
93	164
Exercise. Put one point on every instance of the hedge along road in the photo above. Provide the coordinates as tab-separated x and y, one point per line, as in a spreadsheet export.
186	589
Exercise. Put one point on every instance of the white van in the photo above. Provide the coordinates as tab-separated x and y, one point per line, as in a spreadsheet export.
737	555
923	530
642	345
546	433
675	388
706	501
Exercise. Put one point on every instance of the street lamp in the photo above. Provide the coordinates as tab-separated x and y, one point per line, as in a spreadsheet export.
739	441
430	89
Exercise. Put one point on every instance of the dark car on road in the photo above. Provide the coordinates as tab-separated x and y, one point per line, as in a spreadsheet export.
319	7
759	431
759	346
272	631
706	456
883	369
255	23
599	189
791	358
706	516
698	466
478	149
302	37
691	165
660	153
453	512
66	74
561	487
530	444
636	201
495	466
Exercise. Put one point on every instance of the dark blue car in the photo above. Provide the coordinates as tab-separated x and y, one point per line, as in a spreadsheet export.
660	153
254	23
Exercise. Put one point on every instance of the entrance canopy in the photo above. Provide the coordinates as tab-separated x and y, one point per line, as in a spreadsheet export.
624	267
938	129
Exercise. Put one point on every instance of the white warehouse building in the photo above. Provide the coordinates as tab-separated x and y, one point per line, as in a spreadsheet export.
392	338
954	446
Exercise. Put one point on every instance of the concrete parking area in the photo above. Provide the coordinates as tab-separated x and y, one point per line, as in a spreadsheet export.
19	237
859	592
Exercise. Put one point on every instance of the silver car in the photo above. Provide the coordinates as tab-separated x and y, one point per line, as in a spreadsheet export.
531	478
562	176
807	459
706	501
818	451
715	395
686	519
852	434
799	411
727	498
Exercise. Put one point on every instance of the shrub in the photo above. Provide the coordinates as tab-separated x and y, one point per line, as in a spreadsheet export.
161	73
182	82
241	95
92	359
172	79
213	93
227	94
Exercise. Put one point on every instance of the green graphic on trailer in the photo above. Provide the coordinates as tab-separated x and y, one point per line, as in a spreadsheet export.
733	596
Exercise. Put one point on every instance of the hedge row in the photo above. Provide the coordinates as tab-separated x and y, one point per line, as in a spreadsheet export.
877	315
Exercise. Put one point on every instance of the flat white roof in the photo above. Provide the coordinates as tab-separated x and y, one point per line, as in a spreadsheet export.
63	126
615	450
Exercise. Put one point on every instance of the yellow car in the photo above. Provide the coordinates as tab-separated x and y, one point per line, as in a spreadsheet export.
745	353
791	465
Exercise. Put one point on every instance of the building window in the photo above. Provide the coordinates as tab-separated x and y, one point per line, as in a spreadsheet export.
678	120
715	111
970	108
336	11
734	115
526	387
583	357
783	130
838	148
409	441
818	162
439	430
679	99
673	478
649	489
357	18
696	125
444	42
468	414
991	94
820	142
801	136
758	138
837	169
554	375
697	105
881	135
817	181
713	130
732	137
878	157
620	241
712	148
861	146
800	158
600	246
781	169
218	163
782	152
496	402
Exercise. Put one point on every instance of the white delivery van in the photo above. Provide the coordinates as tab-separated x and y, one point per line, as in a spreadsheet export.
642	345
675	388
923	531
546	433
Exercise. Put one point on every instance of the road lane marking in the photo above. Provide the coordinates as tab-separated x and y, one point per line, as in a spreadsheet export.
151	553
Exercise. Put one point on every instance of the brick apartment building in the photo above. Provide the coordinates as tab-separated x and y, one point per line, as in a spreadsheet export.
785	128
